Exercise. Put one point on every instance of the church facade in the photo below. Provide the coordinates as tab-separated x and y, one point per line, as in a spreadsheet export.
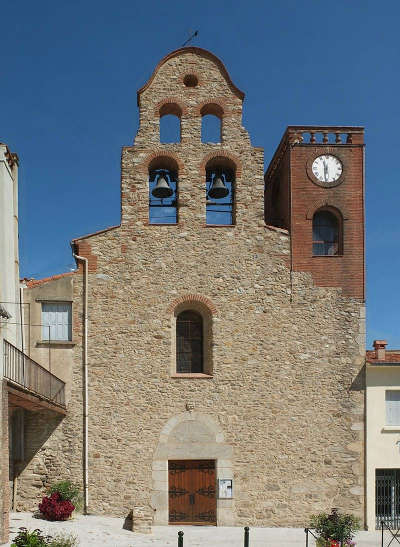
214	340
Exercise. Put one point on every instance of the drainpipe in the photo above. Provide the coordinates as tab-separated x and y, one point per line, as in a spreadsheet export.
85	385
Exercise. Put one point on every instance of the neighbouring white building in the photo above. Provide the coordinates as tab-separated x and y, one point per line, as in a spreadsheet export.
383	436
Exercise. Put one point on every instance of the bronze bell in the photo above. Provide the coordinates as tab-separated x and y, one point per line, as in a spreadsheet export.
162	189
218	189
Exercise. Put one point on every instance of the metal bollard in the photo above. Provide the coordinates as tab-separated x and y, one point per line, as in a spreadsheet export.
246	536
180	539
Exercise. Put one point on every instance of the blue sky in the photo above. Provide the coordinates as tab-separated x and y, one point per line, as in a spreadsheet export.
70	71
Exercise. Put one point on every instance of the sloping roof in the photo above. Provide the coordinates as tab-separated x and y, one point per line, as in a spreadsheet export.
95	233
391	356
33	282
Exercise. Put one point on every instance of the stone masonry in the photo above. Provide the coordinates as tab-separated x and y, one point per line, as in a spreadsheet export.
281	407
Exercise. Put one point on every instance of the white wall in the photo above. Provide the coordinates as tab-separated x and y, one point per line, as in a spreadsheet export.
382	452
9	265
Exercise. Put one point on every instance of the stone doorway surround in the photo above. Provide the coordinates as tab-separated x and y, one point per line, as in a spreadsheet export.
191	436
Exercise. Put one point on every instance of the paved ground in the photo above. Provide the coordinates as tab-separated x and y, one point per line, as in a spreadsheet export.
108	532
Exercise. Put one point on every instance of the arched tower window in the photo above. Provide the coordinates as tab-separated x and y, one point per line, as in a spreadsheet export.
326	227
211	123
170	123
220	190
189	342
163	191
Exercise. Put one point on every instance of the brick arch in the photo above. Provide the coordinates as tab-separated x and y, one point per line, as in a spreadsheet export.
188	298
170	105
217	107
161	153
221	154
325	203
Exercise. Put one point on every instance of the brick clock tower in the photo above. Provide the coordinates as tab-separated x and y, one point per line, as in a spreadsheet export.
315	189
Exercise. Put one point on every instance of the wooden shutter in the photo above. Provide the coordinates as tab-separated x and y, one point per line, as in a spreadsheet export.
393	407
57	316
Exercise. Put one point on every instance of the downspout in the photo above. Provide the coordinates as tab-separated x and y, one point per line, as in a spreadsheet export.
85	385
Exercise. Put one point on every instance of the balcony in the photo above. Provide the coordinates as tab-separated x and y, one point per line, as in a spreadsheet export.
24	373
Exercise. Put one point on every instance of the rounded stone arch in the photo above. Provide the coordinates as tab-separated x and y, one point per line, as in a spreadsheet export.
221	157
206	309
214	107
190	435
192	299
329	206
170	105
159	157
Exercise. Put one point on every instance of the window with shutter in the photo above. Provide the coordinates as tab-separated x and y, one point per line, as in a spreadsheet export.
56	321
393	407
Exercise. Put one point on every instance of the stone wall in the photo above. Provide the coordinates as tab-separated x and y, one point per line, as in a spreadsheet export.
283	395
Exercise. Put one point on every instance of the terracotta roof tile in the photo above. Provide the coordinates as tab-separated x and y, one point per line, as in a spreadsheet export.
33	282
391	356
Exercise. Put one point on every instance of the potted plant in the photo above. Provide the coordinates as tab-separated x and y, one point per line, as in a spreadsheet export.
64	497
335	529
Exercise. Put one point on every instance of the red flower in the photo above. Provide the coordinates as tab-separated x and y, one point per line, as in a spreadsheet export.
54	508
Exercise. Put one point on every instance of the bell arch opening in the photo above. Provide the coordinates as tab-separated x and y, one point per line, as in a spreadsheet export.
163	190
220	191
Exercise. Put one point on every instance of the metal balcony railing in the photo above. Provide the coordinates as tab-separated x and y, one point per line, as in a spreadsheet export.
25	372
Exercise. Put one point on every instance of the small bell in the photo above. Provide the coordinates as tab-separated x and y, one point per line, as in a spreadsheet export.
218	189
162	188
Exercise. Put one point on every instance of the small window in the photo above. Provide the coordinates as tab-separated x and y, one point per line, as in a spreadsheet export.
189	342
325	234
56	321
393	407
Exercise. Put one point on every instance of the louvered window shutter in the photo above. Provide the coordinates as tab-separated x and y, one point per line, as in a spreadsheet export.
56	321
393	407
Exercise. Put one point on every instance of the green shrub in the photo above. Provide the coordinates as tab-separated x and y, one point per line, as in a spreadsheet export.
338	527
64	540
68	492
28	538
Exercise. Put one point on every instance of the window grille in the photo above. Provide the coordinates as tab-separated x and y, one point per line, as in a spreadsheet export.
189	342
387	497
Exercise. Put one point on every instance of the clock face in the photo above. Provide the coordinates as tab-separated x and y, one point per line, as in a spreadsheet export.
327	168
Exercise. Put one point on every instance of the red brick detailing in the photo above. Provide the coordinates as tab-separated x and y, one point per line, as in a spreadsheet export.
216	107
221	155
169	160
83	248
292	198
326	204
201	53
170	105
190	77
192	298
33	282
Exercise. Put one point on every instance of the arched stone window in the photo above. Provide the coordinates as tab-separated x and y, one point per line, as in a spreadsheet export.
189	342
163	191
211	123
327	233
220	191
170	123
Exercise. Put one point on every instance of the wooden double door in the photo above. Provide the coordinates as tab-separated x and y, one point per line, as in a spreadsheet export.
192	492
